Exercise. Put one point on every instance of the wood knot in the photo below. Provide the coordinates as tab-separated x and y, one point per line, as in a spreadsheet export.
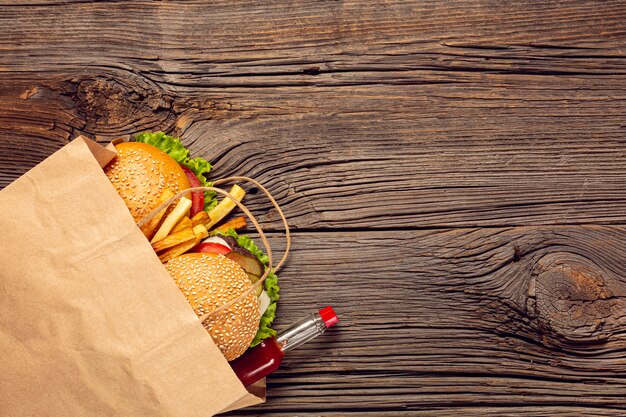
572	299
127	103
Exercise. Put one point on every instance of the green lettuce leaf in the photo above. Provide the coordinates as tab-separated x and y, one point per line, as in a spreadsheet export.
270	284
174	148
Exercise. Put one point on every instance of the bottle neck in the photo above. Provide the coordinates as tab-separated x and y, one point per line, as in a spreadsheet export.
301	332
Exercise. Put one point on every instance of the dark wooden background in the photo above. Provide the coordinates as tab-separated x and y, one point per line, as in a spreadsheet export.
454	171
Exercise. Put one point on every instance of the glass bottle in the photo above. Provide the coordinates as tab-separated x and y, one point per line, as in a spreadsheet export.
265	358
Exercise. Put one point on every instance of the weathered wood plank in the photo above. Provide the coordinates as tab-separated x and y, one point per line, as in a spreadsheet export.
460	321
548	411
406	156
404	115
194	35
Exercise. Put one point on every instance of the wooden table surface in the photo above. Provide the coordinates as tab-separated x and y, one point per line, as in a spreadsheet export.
454	172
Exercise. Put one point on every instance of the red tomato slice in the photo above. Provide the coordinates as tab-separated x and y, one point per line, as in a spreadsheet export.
212	248
197	197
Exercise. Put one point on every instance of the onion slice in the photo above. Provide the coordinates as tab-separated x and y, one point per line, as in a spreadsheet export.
265	301
218	240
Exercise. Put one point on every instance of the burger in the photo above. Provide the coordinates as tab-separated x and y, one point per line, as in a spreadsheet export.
213	272
154	162
210	280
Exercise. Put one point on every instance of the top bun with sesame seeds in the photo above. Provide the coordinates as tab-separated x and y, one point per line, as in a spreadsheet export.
140	173
209	281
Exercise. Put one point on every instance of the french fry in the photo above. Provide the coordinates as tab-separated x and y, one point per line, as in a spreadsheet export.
235	224
225	206
200	230
202	217
200	233
179	249
150	228
184	223
174	239
181	209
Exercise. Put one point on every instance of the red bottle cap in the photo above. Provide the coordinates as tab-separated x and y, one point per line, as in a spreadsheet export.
329	316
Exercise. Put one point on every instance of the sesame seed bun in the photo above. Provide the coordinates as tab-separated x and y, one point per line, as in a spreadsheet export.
140	173
209	281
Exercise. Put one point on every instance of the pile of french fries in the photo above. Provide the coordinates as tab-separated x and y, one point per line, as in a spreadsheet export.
175	233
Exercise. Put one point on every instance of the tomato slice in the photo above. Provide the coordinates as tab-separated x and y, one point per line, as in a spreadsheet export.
197	197
212	248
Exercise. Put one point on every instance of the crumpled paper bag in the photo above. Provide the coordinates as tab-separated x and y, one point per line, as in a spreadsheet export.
91	323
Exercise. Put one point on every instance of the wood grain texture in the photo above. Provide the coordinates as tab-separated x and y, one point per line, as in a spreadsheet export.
450	114
465	321
436	160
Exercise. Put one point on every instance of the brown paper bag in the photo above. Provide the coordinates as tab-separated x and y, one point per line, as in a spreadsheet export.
91	323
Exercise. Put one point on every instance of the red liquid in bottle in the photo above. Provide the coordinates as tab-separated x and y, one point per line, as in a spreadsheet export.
258	362
265	358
